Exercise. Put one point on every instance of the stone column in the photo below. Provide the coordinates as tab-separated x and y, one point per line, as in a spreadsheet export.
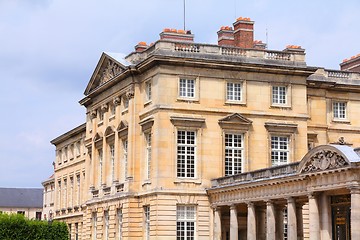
292	225
325	217
234	227
270	221
314	219
299	221
355	213
251	222
217	223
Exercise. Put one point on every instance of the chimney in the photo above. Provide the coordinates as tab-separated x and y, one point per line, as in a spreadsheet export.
177	35
141	46
226	36
258	44
244	33
352	64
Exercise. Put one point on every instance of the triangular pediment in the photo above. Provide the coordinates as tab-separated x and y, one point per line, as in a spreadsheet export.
107	68
235	118
235	121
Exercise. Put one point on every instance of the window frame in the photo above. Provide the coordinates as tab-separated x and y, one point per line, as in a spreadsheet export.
186	216
148	153
147	222
184	96
187	172
336	114
242	99
148	91
232	148
279	150
287	97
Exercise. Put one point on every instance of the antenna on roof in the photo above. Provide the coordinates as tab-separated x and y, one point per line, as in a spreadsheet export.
235	9
184	16
267	39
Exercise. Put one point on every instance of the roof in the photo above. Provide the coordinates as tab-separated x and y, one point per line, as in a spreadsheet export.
21	197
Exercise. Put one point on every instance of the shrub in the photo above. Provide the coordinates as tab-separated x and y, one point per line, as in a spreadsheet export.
17	227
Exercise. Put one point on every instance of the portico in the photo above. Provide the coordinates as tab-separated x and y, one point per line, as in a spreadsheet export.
310	199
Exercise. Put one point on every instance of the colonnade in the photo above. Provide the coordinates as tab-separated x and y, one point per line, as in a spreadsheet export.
265	218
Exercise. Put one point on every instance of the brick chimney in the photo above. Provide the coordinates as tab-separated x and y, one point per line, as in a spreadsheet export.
352	64
177	35
226	36
244	33
141	46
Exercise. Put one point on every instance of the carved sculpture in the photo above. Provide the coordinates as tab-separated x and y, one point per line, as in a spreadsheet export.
323	160
111	70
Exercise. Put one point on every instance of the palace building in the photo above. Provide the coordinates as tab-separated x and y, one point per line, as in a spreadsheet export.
185	140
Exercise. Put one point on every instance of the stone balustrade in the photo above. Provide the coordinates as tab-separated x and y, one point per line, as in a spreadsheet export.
287	55
267	173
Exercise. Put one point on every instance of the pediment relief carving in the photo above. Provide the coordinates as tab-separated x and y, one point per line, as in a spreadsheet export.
235	121
321	160
108	72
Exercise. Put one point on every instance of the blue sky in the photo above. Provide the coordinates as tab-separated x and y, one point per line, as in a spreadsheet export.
49	49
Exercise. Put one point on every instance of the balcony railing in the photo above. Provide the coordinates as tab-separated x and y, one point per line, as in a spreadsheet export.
262	174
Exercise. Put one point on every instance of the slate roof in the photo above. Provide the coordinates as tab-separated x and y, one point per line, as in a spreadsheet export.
21	197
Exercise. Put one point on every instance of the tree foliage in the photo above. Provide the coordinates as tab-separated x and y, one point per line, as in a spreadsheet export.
17	227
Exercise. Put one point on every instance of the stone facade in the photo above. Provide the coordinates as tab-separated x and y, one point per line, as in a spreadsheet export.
164	122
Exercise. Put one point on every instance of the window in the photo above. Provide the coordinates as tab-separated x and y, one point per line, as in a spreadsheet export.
279	95
106	223
101	115
119	223
112	162
126	103
148	155
187	88
147	222
339	110
59	194
285	224
100	152
148	90
279	150
65	154
233	92
234	148
78	189
59	157
112	109
21	212
76	231
38	215
186	152
65	194
125	157
77	147
185	222
94	225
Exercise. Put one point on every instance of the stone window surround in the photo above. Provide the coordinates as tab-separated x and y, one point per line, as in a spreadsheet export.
243	86
196	89
347	116
288	95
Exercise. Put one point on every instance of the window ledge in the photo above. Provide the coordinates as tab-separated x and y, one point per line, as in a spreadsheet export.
192	100
284	106
185	180
338	120
235	103
125	111
146	182
112	117
147	103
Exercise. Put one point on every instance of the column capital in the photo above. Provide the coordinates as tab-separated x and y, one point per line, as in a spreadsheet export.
232	206
312	195
354	189
269	202
290	200
250	204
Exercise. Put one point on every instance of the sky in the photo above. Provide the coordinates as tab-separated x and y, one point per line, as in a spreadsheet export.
50	48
